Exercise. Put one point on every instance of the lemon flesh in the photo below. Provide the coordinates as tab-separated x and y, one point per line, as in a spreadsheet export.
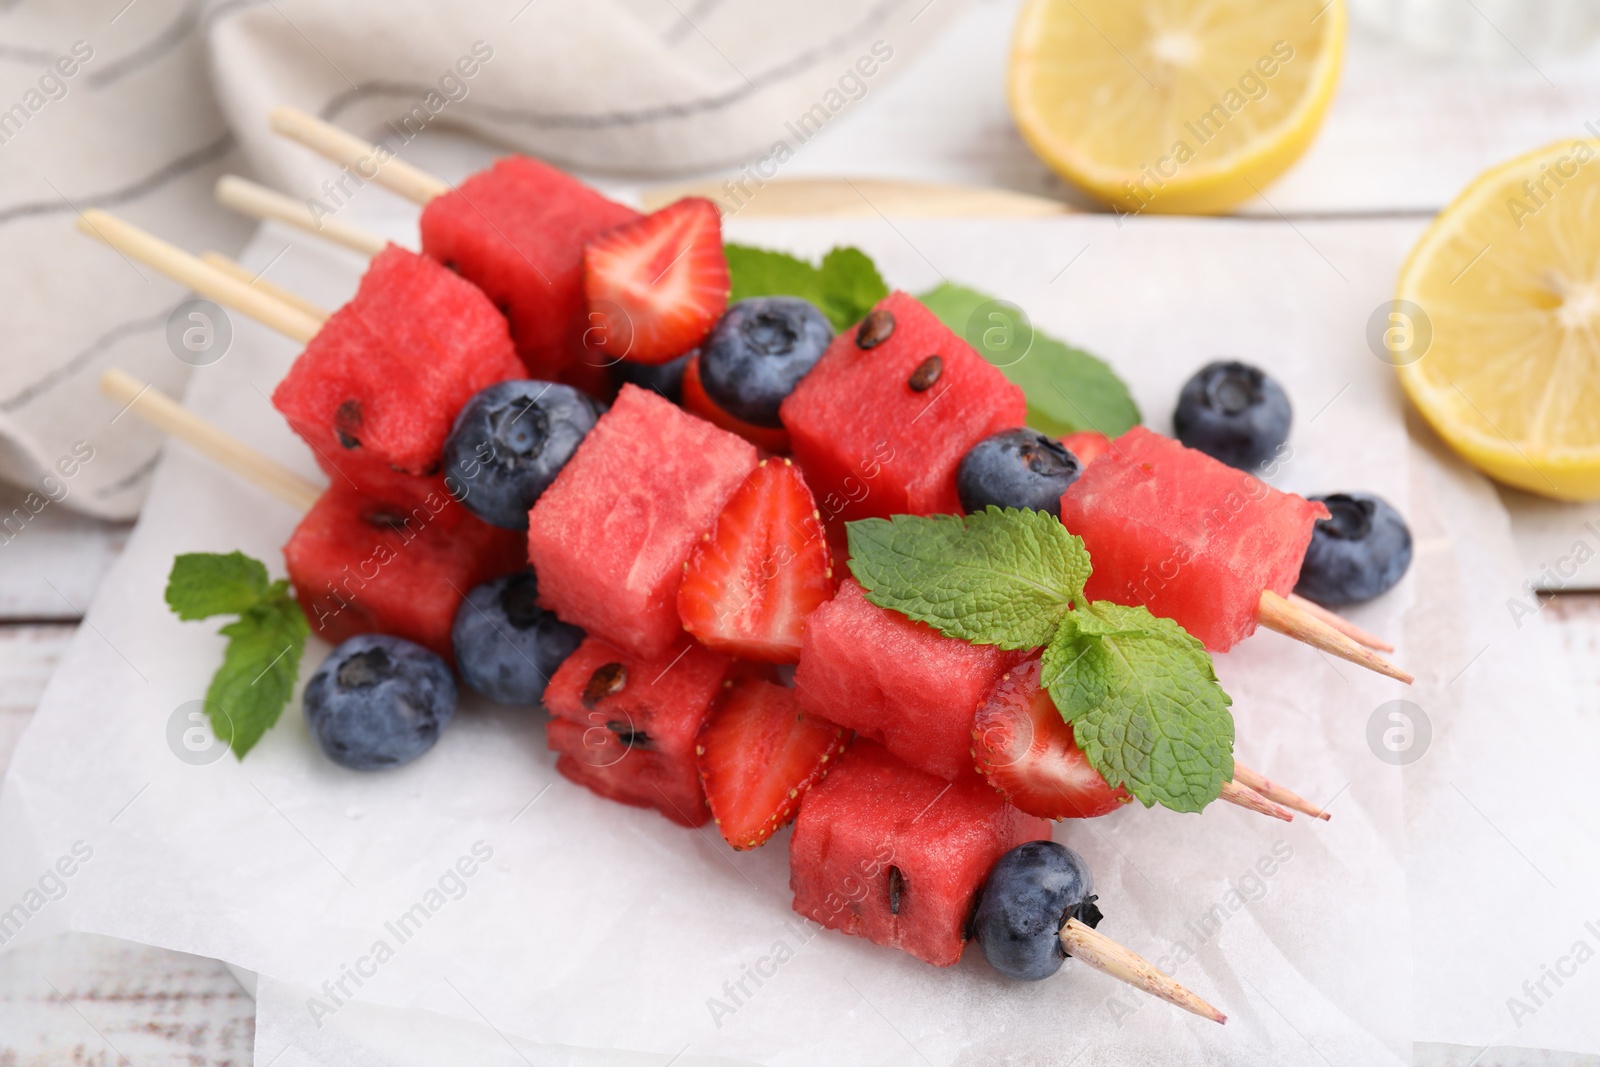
1187	106
1498	340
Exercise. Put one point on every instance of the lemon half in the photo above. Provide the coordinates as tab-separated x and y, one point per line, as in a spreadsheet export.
1185	106
1507	283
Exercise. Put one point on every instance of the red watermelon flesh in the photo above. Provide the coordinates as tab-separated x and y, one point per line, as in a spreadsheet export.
610	537
362	565
885	852
625	727
898	682
376	391
517	231
870	443
1192	539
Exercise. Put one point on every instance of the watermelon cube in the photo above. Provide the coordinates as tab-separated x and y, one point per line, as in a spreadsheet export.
375	392
880	431
899	682
610	537
517	232
1190	538
885	852
360	564
625	727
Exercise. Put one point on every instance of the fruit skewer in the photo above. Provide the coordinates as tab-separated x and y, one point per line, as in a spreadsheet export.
1077	938
1209	546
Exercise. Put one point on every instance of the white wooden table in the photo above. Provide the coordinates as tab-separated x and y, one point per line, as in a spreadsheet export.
1402	138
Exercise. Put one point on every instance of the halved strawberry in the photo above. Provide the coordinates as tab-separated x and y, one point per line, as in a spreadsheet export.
656	285
758	754
1026	749
1086	445
698	402
761	569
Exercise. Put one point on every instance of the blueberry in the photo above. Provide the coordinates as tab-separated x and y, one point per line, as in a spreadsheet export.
379	701
506	645
1030	894
508	444
664	378
1359	552
758	352
1016	469
1233	413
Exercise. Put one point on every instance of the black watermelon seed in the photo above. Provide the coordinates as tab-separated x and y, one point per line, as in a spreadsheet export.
347	423
926	374
629	736
875	329
607	679
387	520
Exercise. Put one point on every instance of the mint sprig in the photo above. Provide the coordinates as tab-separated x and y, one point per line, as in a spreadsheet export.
845	286
262	660
1140	692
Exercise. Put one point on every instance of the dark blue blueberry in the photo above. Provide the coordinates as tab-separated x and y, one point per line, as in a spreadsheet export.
508	444
507	646
1030	894
1362	550
1016	469
664	378
379	701
1233	413
758	352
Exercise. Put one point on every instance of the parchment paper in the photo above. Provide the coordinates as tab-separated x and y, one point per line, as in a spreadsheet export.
591	925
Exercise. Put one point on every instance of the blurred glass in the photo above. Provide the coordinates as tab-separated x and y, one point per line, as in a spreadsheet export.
1486	29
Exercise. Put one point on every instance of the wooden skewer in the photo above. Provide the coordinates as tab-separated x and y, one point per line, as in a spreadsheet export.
369	162
249	277
1279	614
203	278
167	415
1340	623
1095	949
1273	791
1236	792
259	202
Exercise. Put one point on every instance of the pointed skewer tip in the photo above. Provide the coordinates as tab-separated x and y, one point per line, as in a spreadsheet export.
1100	952
1275	792
1282	615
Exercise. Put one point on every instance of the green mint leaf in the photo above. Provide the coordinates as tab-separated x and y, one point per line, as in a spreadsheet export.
1000	577
844	287
1068	389
257	676
262	660
203	584
1144	704
759	272
1102	618
850	285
